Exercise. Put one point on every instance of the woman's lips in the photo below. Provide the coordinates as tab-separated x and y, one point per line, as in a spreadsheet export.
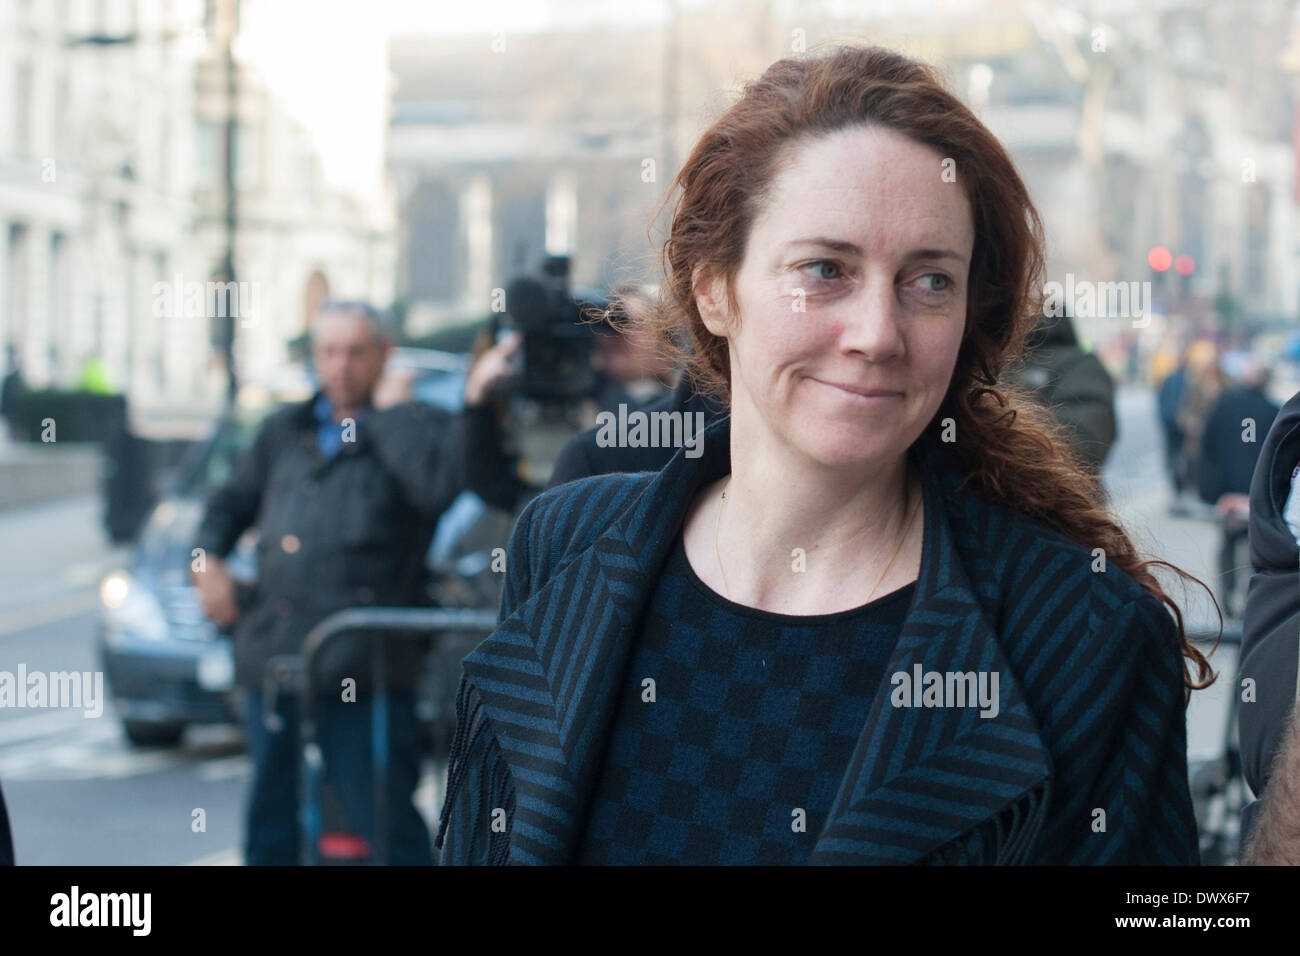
869	394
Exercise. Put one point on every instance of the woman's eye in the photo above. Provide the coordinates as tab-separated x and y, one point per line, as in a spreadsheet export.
821	267
944	283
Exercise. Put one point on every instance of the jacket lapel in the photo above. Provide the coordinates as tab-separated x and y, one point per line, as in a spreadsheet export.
920	777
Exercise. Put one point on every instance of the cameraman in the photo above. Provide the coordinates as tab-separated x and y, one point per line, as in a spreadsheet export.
629	370
491	466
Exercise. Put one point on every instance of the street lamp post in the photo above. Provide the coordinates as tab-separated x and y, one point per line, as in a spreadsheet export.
227	328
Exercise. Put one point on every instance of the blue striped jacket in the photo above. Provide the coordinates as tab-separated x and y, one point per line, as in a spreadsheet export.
1084	762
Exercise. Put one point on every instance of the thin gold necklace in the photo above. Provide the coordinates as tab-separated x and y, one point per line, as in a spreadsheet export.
907	491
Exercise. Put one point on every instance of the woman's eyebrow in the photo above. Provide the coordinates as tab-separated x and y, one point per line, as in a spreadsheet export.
841	245
917	254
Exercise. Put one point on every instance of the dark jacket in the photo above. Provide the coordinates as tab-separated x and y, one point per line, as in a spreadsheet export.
1091	688
6	838
334	532
1169	400
1226	463
1271	629
582	456
491	468
1073	383
11	403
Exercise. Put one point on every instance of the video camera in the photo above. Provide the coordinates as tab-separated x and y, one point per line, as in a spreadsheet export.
557	344
554	389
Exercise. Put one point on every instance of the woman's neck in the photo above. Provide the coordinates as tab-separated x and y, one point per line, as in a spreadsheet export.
797	538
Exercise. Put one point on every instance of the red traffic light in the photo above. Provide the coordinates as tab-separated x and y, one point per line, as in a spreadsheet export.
1159	258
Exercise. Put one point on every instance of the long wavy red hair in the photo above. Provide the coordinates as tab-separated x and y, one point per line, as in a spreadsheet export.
1012	449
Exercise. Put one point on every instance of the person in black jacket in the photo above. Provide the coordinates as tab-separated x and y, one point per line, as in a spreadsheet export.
1271	630
1229	449
1074	384
11	397
583	456
1230	444
6	838
345	497
631	370
1169	401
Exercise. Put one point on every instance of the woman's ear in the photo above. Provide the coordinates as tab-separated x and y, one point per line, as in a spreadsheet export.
710	300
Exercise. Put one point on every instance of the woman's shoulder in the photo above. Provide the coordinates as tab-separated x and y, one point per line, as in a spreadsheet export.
592	491
1021	554
1073	624
568	517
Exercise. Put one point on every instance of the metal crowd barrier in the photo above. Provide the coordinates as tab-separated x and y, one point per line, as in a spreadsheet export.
1218	786
413	622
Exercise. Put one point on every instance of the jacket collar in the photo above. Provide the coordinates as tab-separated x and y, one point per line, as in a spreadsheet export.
308	416
919	777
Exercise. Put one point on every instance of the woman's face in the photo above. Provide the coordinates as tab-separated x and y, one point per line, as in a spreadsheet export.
854	281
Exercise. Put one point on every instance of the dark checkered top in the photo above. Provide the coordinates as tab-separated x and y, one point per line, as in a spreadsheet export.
755	716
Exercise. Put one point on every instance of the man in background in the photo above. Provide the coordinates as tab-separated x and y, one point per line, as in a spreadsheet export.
345	495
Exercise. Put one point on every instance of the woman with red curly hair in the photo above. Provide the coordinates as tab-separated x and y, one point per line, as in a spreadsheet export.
884	616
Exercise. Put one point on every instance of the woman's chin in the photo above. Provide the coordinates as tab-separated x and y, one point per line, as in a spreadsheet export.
849	448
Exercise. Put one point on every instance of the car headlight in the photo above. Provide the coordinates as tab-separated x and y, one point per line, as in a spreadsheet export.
132	608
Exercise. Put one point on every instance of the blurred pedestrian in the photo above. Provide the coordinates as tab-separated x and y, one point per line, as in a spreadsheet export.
1270	650
491	458
11	397
1169	402
1204	384
722	662
1230	443
1232	435
1074	384
627	354
345	494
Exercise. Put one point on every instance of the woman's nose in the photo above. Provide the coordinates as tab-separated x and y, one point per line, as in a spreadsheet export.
871	324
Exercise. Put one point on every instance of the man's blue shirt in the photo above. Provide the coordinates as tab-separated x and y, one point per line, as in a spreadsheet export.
329	433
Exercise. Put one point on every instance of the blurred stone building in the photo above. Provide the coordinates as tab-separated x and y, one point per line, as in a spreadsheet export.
1167	123
112	124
